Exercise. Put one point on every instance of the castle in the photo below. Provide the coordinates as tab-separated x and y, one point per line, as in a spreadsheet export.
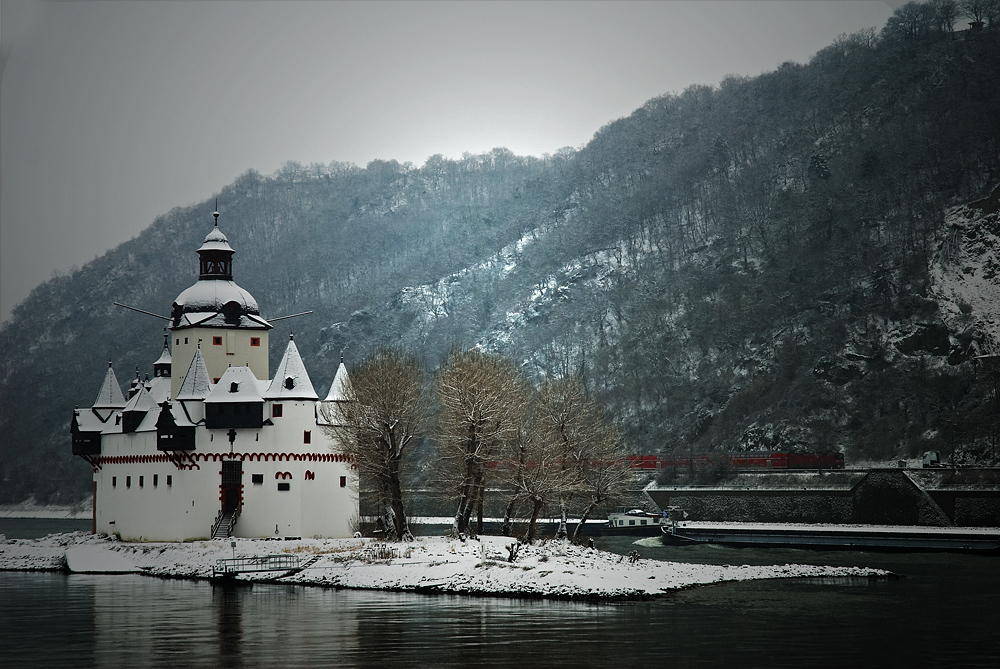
212	445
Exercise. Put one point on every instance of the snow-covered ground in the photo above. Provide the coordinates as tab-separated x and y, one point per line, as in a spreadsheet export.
429	564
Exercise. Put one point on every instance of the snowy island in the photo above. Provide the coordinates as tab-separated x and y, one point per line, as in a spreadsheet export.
482	566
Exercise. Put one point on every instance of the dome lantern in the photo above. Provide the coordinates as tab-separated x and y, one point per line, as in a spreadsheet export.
215	257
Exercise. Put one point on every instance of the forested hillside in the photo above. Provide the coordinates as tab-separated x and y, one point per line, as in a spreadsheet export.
806	259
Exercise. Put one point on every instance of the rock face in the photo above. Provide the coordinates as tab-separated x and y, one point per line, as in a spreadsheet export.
881	496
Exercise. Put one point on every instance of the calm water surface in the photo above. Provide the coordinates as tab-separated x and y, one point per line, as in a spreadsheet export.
945	612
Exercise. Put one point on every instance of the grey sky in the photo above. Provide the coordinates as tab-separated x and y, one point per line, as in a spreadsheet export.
114	112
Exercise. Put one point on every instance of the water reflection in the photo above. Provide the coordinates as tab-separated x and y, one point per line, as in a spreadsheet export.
936	615
228	603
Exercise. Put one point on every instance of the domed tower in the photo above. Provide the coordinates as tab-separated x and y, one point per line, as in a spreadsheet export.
219	314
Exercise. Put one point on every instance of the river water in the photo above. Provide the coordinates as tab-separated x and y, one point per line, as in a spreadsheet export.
943	612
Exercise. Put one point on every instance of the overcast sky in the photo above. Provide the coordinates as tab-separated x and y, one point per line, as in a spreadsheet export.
112	113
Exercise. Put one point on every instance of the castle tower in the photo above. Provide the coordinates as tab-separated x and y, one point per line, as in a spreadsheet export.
220	315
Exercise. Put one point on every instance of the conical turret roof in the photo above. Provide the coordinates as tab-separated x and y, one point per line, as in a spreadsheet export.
291	380
340	385
142	401
110	395
197	384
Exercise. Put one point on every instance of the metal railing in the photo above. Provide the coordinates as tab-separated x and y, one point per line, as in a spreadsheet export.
255	563
229	526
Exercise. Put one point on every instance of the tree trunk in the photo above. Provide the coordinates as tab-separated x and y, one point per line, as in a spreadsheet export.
479	511
402	527
461	523
473	500
508	517
389	521
536	508
583	518
456	523
562	532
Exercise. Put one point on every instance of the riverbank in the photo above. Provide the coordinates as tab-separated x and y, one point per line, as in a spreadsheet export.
550	569
81	511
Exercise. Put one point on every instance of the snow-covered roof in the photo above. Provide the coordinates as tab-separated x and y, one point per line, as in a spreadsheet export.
87	421
291	380
238	384
148	423
216	241
197	384
181	419
164	358
141	401
341	382
217	319
114	424
209	298
110	395
159	388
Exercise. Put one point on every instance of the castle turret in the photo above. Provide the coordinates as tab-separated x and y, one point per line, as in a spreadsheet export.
220	315
327	411
162	366
291	381
110	397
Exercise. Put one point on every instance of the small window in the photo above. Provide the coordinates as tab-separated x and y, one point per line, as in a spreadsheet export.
170	479
255	341
177	342
156	480
128	481
114	481
216	341
343	481
185	340
257	478
307	437
234	387
284	486
142	480
276	411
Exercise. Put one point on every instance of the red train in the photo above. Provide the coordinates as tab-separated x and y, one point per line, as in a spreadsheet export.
747	460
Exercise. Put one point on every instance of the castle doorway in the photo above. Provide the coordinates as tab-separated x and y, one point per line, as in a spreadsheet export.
232	485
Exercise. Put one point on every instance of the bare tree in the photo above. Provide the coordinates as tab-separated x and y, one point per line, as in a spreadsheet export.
482	398
532	471
945	14
562	410
980	11
384	410
605	474
587	450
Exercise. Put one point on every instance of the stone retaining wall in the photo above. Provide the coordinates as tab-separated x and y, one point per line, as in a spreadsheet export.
883	497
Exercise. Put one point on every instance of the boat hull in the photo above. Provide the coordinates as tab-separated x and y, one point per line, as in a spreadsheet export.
836	538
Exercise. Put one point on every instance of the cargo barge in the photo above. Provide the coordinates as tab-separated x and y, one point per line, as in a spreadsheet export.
836	537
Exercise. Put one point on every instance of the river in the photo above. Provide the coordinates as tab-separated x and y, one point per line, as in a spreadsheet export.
943	612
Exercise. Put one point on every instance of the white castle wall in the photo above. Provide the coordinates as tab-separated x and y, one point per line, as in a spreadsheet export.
235	350
129	503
